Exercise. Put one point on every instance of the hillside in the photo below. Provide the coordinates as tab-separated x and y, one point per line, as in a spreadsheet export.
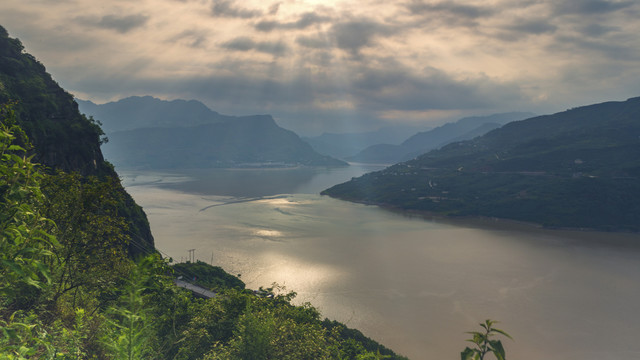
578	168
463	129
150	133
62	138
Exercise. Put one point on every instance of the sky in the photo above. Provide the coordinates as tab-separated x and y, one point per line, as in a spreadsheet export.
343	65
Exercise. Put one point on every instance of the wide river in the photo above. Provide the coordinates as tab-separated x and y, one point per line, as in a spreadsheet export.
414	284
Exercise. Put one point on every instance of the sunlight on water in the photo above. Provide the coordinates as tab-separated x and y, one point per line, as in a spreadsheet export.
267	233
278	202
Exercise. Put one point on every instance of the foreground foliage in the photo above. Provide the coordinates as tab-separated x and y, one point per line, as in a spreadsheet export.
484	343
70	290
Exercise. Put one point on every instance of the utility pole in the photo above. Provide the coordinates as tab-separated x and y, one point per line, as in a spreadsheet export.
192	255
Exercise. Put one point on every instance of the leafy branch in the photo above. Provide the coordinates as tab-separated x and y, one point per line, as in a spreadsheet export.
484	343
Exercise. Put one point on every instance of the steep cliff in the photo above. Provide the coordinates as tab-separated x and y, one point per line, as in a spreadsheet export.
63	139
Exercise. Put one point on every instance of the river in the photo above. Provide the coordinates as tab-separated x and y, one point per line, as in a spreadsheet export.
414	284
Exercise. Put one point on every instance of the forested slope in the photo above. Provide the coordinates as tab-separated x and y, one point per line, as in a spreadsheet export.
579	168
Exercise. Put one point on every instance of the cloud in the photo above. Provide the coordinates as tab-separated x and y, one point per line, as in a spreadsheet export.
598	30
534	27
454	9
313	42
121	24
390	86
306	20
273	10
355	34
602	47
245	43
226	8
317	65
192	38
589	7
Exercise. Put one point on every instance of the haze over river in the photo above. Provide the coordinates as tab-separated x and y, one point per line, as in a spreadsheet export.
416	285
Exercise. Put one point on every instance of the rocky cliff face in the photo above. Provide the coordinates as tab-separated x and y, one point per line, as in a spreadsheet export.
63	139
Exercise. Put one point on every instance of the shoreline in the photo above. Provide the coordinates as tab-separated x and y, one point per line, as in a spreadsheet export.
487	222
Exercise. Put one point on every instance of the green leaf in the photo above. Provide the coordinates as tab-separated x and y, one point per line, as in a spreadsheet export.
497	349
15	148
469	354
502	332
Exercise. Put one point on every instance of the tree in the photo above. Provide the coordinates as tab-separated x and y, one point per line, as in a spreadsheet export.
92	234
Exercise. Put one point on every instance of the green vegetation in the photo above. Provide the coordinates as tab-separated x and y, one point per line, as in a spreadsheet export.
207	276
63	139
577	169
484	344
70	290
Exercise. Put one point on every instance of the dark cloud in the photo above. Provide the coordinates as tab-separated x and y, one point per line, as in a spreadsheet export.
597	30
227	8
613	50
306	20
418	7
121	24
533	27
245	43
398	88
356	34
273	10
589	7
192	38
314	42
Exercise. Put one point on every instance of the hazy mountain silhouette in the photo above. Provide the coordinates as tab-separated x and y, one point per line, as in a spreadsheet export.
348	144
145	111
463	129
145	132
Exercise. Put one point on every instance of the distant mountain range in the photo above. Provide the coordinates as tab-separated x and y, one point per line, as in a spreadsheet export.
145	132
138	112
579	168
346	145
463	129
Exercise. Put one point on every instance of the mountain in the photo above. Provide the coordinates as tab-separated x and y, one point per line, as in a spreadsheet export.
251	141
137	112
347	144
463	129
145	132
62	138
579	168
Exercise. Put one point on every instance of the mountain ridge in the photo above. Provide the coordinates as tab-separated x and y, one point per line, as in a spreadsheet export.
158	134
576	169
462	129
135	112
